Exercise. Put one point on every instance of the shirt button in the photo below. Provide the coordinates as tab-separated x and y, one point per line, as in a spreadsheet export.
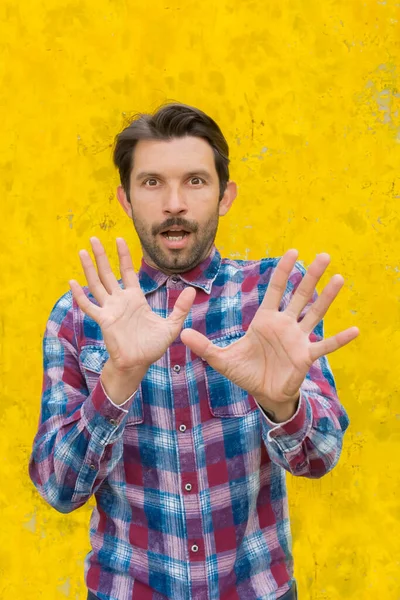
113	422
188	487
174	279
195	548
182	427
93	467
176	368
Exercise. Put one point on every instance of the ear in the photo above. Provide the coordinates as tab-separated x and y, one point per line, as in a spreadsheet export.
228	198
123	200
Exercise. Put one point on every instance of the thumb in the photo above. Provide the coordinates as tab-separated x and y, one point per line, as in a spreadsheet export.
182	307
200	345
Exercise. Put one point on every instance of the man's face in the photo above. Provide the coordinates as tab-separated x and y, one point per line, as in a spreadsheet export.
175	207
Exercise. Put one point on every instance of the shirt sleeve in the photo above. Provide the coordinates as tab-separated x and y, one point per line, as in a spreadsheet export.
310	443
79	437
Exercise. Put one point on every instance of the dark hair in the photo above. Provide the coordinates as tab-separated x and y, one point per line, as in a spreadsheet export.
170	121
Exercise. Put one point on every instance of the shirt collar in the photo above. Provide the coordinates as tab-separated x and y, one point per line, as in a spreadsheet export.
202	276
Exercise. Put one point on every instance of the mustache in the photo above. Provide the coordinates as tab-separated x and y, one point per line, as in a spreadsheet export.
190	226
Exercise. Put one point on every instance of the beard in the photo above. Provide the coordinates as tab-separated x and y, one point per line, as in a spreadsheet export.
177	260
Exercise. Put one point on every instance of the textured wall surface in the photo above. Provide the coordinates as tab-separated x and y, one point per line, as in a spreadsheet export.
308	95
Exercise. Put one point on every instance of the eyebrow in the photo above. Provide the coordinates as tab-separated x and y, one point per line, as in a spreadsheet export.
200	172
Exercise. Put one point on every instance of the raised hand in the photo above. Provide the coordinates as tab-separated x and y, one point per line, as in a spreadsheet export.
134	335
272	359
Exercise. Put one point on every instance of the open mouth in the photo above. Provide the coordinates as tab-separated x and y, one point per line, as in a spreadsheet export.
175	238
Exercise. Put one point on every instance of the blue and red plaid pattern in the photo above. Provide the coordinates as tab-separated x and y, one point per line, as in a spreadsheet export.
189	473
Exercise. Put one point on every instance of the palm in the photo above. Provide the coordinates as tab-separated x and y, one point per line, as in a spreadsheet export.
274	356
276	352
133	334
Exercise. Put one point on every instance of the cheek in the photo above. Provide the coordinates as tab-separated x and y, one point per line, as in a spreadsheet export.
142	198
144	212
204	205
207	223
140	222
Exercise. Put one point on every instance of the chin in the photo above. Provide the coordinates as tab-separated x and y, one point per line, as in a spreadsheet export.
178	263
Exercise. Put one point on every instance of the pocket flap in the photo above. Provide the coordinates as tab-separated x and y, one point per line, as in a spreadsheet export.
93	358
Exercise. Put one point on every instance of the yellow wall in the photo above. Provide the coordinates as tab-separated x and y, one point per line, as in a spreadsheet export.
308	95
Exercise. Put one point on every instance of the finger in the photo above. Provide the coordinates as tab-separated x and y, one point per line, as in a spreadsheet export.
83	301
106	275
331	344
95	286
200	345
182	307
307	286
126	268
318	309
278	281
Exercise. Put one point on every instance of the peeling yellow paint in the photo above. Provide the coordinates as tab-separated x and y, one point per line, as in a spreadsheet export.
308	96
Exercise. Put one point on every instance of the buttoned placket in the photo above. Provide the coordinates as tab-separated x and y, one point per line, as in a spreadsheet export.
185	447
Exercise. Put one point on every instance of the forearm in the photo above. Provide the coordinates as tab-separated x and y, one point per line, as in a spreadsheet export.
79	440
310	442
72	455
119	385
279	412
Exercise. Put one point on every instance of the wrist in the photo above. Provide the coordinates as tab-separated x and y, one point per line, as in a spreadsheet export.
279	412
120	384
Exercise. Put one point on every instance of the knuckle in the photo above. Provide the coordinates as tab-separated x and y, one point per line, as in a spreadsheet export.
305	292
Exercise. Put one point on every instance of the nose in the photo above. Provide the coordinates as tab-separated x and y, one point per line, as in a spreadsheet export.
175	202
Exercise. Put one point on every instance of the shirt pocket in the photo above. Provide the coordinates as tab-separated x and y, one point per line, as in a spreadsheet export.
225	398
92	359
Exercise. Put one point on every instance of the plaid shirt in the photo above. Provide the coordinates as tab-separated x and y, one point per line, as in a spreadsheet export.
189	473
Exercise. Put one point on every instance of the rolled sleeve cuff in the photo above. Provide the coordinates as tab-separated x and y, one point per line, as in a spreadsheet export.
120	406
104	419
290	434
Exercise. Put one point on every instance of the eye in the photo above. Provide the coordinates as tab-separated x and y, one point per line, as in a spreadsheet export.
196	180
151	182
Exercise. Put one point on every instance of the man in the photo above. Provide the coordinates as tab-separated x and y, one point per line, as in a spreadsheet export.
179	397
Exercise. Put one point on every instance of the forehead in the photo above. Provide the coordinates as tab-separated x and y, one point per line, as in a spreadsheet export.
176	155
